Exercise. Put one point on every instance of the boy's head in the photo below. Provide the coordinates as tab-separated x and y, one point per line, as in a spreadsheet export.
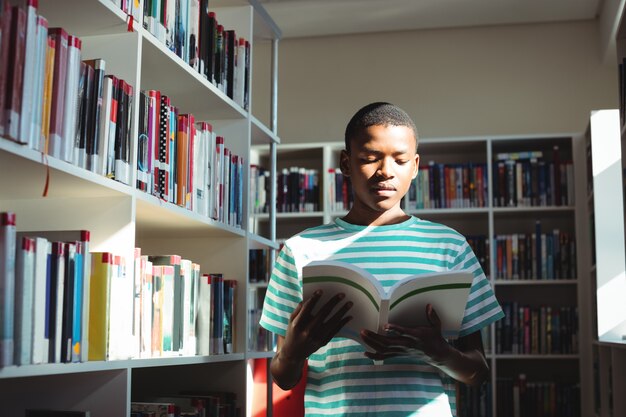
381	160
377	114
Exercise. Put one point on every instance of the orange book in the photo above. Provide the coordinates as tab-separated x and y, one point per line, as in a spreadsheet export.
182	156
47	96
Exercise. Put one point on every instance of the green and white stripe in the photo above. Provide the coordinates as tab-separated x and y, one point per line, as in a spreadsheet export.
341	380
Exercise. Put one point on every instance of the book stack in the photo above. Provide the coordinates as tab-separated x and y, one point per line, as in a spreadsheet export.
537	330
44	288
541	256
339	191
56	103
259	189
480	247
524	179
448	186
297	190
518	396
184	162
193	33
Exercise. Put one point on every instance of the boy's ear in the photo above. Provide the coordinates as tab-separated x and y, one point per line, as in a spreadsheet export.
417	165
344	163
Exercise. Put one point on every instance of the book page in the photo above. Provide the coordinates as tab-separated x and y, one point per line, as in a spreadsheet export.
358	285
446	291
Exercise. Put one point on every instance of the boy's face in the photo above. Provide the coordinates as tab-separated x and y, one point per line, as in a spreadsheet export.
381	165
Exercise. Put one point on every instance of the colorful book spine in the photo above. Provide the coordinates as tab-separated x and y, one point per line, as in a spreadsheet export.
29	78
99	297
15	73
58	91
34	139
24	292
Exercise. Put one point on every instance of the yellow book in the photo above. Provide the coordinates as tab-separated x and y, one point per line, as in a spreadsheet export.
47	96
102	269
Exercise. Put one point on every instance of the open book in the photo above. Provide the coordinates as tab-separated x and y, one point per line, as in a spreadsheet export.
404	304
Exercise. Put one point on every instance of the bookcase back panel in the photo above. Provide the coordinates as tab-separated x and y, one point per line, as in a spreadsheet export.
121	62
103	393
559	295
82	17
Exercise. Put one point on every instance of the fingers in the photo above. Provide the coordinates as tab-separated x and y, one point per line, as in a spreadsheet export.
330	305
433	317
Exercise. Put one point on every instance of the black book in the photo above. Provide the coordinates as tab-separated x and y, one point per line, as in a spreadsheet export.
211	46
85	106
68	302
95	109
231	52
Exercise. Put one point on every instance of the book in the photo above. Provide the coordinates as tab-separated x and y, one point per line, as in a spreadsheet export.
24	291
58	91
99	297
28	77
403	304
7	285
15	73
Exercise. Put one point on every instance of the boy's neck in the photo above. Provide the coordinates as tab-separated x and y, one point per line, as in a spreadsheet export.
371	218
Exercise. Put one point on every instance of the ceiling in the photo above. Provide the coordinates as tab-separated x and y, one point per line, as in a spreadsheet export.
306	18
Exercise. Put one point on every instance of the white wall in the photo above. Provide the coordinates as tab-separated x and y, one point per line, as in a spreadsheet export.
500	80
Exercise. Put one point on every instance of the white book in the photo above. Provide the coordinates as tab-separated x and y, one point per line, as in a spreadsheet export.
7	286
105	125
28	85
194	34
24	283
70	112
217	177
120	311
145	346
43	249
186	272
240	71
225	209
403	304
35	140
203	321
170	24
210	174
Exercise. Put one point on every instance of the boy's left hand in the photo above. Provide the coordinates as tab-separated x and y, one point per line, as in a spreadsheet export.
423	342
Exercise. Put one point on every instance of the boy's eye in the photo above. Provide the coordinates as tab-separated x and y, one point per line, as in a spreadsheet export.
368	160
401	162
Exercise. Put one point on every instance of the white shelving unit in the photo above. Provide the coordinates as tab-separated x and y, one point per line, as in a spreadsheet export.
607	262
487	221
121	217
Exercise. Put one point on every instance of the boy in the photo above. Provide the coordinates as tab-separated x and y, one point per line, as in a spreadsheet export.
381	160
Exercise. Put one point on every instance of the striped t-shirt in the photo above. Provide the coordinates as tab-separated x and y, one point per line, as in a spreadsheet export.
341	381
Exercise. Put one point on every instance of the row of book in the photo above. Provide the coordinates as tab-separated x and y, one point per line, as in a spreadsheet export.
184	162
480	247
537	330
524	179
339	192
179	311
62	303
541	256
474	401
189	404
440	185
260	262
297	190
193	33
58	104
524	398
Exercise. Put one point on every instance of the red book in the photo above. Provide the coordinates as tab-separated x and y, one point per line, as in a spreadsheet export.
15	73
58	90
5	28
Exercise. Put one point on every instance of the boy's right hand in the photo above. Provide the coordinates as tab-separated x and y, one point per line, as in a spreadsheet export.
307	332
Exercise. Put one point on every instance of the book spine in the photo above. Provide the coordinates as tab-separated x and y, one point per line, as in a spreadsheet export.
5	30
15	74
29	77
58	91
70	113
103	130
24	283
34	139
7	285
43	251
99	66
112	142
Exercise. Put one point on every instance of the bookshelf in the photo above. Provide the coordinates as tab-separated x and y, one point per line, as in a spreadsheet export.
121	217
607	262
563	368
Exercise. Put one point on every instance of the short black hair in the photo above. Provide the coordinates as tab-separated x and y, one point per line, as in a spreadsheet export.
377	114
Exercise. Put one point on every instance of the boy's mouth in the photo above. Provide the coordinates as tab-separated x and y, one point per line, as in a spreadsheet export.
383	189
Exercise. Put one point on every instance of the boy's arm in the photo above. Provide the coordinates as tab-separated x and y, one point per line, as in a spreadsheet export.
465	363
306	333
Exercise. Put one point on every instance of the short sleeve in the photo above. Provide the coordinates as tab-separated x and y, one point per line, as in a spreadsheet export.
482	307
284	292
